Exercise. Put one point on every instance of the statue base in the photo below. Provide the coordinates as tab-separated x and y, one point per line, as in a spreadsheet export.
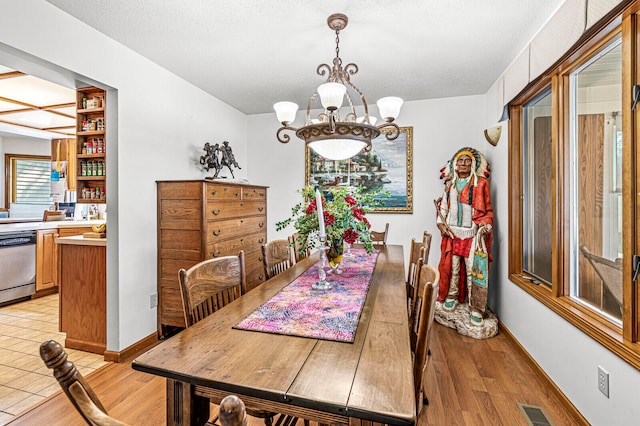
459	319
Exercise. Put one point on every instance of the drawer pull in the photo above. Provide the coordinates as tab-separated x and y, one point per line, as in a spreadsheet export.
241	239
215	213
260	208
241	204
260	258
237	194
261	224
214	254
214	192
261	240
216	233
241	220
261	277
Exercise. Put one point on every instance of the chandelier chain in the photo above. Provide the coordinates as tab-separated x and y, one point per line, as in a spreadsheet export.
338	46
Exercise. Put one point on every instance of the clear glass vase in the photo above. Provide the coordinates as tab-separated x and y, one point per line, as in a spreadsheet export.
334	255
347	251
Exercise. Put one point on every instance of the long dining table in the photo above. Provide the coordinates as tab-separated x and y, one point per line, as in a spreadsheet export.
367	381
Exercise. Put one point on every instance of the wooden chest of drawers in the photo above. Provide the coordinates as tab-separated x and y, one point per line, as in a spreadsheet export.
198	220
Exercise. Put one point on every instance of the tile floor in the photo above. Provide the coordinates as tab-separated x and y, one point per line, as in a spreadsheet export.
24	379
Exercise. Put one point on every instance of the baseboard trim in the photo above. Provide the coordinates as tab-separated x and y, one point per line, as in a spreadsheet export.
46	292
126	353
545	379
82	345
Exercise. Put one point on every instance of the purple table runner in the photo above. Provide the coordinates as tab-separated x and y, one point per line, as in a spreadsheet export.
298	310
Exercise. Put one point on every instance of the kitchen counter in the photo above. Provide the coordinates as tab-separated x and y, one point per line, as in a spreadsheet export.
36	226
82	241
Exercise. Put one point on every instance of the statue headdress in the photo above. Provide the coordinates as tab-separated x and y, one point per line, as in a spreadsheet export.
479	165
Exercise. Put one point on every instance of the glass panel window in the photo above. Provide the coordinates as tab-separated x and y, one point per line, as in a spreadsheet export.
537	187
31	180
596	182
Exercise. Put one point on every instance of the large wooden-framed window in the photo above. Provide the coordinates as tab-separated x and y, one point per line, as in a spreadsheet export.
574	167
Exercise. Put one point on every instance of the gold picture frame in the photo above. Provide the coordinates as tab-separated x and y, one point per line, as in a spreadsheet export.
388	167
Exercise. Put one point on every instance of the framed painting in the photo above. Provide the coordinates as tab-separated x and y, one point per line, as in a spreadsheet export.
388	167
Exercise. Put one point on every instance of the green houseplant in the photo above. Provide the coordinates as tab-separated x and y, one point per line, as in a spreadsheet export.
344	218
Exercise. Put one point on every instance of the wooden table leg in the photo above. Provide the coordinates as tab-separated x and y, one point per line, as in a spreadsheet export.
183	406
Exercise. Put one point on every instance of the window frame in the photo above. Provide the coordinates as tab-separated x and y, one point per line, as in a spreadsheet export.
623	341
9	177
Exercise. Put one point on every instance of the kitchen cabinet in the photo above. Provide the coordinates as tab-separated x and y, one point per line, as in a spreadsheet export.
46	259
83	292
67	154
91	157
199	220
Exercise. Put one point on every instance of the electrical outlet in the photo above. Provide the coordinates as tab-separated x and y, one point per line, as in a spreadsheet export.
603	381
153	300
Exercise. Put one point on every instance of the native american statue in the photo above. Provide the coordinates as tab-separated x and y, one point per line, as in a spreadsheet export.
465	220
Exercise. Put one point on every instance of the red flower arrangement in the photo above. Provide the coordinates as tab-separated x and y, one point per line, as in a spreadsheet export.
344	217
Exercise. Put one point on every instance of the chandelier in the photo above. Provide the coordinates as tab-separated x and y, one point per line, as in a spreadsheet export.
330	135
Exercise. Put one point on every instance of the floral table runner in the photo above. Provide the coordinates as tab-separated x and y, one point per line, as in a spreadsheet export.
299	310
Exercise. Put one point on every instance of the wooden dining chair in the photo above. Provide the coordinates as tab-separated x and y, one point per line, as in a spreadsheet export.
75	386
416	260
232	410
426	239
424	311
380	238
51	215
210	285
276	257
418	250
296	243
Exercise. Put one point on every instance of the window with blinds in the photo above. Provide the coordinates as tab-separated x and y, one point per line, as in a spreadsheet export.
30	180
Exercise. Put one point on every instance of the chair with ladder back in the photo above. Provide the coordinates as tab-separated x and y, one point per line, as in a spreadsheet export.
210	285
276	257
427	281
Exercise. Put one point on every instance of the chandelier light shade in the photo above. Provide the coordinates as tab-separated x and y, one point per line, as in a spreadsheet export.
337	149
286	111
330	135
331	95
389	107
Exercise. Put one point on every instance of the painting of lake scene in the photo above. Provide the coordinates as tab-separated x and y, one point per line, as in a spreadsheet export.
387	167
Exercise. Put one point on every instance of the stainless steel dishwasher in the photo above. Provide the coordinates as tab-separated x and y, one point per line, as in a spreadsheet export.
17	265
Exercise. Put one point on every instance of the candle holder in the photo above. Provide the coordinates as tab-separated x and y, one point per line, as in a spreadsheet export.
322	283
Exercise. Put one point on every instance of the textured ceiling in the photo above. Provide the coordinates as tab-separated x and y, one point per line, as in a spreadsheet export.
252	53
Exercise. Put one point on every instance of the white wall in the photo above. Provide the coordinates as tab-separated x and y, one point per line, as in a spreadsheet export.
162	124
440	128
568	356
20	145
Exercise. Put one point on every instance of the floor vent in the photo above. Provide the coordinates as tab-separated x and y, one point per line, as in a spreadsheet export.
536	416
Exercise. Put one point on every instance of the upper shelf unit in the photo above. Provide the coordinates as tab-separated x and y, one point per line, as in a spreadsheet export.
91	151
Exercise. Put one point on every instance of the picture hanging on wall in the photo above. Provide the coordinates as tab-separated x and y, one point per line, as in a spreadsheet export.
388	167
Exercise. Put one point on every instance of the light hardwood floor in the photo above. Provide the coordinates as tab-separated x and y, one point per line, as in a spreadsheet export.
471	382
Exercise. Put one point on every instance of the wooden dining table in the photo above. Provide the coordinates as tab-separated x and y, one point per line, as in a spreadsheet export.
368	381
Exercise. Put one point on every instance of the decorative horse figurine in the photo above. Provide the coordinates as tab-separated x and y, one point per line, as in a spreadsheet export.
216	157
